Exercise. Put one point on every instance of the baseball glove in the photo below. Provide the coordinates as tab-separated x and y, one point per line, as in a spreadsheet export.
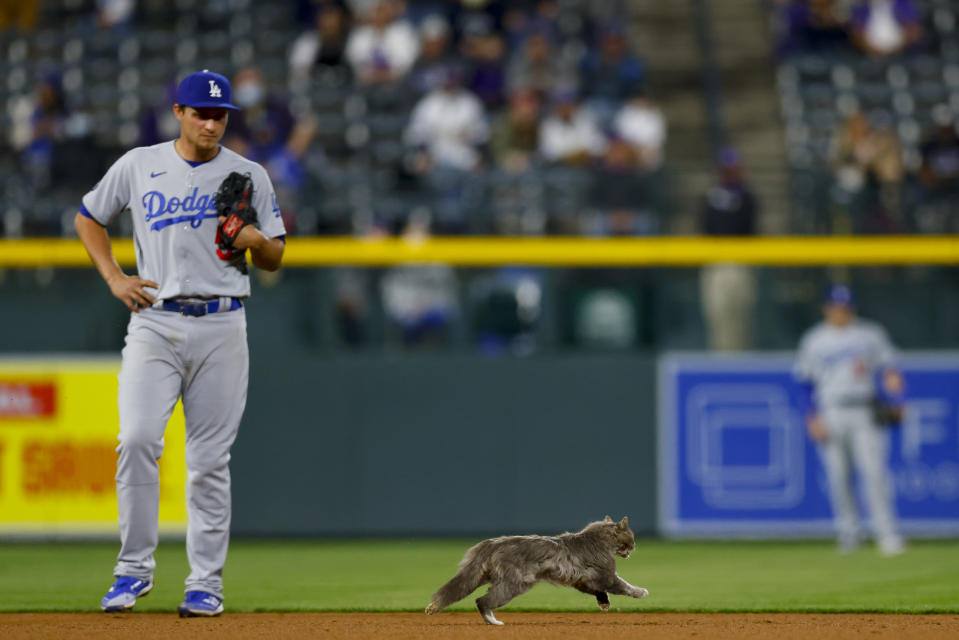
886	413
234	201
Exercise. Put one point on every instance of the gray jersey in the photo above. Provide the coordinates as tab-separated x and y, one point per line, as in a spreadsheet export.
842	362
174	217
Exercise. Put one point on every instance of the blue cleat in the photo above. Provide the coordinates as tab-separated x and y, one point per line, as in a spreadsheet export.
124	593
200	603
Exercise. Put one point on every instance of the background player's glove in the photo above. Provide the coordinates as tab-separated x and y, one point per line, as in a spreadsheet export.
886	412
234	201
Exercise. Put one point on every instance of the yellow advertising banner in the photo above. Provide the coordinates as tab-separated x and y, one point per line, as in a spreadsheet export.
58	439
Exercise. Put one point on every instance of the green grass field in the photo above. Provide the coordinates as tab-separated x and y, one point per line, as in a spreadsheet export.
400	575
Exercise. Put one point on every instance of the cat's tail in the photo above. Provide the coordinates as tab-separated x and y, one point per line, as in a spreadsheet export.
471	575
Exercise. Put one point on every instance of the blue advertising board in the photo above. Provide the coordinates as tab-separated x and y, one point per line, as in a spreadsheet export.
735	461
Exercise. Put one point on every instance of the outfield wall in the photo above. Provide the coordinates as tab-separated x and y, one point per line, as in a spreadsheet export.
444	445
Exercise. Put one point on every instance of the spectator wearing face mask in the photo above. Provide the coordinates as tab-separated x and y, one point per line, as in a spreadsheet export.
264	123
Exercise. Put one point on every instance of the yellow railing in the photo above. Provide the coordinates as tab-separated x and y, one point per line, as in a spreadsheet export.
553	252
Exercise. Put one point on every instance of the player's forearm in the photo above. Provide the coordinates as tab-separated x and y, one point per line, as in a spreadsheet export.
97	243
268	255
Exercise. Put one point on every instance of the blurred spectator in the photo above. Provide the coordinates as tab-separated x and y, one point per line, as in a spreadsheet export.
352	301
618	195
23	13
114	14
422	301
885	27
54	156
447	128
535	65
484	51
813	26
435	57
39	123
507	305
728	291
570	134
610	72
384	47
449	124
325	44
869	174
158	124
939	176
641	123
515	132
287	172
516	189
264	123
524	17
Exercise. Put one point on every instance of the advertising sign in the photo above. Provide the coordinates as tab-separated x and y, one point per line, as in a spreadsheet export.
734	458
58	439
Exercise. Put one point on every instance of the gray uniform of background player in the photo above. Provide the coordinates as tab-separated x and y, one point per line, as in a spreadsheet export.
167	355
842	363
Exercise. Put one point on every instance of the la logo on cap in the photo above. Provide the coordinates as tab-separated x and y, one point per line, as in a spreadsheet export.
205	89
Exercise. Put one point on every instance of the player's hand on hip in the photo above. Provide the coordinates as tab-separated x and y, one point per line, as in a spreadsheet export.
130	291
816	428
249	237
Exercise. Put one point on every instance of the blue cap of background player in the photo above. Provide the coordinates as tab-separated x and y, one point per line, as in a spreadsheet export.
205	89
840	294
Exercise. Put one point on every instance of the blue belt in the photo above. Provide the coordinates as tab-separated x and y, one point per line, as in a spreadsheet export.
199	307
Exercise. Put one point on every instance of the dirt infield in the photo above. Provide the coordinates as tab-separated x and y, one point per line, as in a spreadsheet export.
526	626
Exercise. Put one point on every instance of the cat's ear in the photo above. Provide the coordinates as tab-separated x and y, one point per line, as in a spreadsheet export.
624	523
608	520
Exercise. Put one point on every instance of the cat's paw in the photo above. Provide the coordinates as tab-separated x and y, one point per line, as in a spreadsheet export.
639	593
490	618
604	606
432	608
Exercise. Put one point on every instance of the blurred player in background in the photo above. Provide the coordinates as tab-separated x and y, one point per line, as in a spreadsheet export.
844	364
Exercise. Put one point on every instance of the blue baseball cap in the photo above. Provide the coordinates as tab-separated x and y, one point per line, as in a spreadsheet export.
840	294
730	157
205	89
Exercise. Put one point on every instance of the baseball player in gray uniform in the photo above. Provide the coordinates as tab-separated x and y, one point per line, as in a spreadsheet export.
187	335
842	364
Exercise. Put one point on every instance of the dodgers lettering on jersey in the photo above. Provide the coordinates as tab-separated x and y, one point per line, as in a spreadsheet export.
158	204
173	206
842	362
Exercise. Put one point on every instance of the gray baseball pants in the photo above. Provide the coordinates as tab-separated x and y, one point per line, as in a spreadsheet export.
205	361
856	440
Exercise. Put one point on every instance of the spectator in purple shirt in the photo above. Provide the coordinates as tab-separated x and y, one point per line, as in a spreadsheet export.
885	27
435	57
485	53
